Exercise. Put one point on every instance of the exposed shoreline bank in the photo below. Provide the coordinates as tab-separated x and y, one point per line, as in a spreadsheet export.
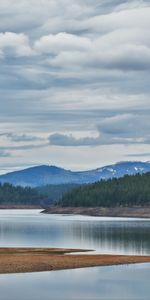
132	212
22	260
124	212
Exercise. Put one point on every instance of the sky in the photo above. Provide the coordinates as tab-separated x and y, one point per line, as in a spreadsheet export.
74	83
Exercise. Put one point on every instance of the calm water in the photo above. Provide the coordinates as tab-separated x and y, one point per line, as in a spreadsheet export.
103	283
29	228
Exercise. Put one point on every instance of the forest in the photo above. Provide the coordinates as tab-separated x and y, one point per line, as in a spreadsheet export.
10	194
125	191
54	192
43	196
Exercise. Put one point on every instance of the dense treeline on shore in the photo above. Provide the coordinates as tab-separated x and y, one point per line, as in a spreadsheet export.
11	195
43	196
126	191
54	193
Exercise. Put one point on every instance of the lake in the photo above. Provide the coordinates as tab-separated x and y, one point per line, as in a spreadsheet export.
30	228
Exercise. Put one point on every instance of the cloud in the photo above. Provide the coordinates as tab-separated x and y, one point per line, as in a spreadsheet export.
126	125
4	153
119	49
136	18
35	16
20	137
121	129
23	147
12	44
132	5
69	140
74	66
146	154
53	44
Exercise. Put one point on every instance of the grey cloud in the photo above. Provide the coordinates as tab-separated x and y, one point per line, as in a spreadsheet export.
74	66
120	129
127	125
24	147
31	15
9	165
69	140
20	137
127	128
124	45
34	16
64	58
4	153
146	154
131	4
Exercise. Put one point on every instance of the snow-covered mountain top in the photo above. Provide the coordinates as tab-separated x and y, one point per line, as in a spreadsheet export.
44	174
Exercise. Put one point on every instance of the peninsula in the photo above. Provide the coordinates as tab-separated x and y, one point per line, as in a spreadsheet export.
22	260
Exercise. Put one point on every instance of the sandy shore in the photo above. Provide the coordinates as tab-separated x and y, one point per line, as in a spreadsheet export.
21	260
132	212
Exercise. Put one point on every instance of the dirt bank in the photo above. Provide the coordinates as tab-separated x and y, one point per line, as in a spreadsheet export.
15	260
133	212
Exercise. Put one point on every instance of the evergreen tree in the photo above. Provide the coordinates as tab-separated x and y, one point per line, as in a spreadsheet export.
126	191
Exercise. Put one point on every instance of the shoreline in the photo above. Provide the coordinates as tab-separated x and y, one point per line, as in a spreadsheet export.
3	207
126	212
120	212
24	260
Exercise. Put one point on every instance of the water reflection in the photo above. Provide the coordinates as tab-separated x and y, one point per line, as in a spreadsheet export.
104	283
106	235
110	237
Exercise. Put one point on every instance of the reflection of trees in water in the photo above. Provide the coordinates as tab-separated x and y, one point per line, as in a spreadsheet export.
30	233
104	236
118	236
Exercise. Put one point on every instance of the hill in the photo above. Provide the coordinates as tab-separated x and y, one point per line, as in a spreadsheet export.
52	175
127	191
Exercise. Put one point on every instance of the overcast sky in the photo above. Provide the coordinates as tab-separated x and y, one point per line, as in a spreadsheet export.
74	82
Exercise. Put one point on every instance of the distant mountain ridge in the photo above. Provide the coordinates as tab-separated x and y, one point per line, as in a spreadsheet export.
45	175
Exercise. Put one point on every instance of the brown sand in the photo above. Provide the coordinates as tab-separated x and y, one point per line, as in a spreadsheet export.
21	260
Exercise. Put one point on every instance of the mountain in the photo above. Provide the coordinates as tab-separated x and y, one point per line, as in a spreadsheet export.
45	175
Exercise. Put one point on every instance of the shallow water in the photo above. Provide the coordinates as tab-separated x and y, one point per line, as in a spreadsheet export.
103	283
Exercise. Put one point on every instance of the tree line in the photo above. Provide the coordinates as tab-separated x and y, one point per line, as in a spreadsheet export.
16	195
125	191
43	196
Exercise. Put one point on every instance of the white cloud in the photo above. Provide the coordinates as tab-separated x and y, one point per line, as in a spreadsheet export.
54	44
137	18
12	44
